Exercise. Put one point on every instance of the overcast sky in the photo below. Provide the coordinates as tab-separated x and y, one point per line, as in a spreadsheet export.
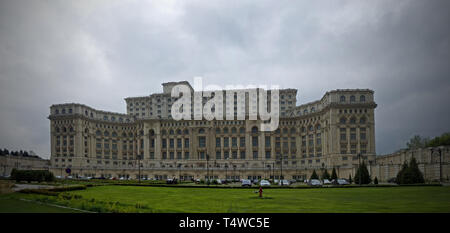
99	52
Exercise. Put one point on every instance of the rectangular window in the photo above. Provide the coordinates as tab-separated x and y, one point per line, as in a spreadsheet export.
179	143
254	141
267	141
218	155
242	154
171	143
242	141
234	154
225	142
164	143
255	154
186	155
218	142
234	142
202	141
267	154
186	143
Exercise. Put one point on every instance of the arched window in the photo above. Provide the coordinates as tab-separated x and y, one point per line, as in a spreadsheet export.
186	131
352	98
225	130
152	133
342	98
124	135
57	129
71	129
64	129
362	120
114	134
179	131
242	130
318	127
106	134
255	129
343	120
285	130
352	120
293	130
171	132
305	111
98	133
310	128
163	132
362	98
130	135
233	130
217	130
201	130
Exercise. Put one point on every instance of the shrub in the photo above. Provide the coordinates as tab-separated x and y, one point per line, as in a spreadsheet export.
410	174
32	175
314	175
363	174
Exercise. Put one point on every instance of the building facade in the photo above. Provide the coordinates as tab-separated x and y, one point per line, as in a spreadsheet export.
9	162
433	163
326	133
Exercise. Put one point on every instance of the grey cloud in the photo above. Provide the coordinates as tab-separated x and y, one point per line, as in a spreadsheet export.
99	52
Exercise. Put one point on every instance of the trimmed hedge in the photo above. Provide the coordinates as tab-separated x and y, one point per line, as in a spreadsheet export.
53	191
32	175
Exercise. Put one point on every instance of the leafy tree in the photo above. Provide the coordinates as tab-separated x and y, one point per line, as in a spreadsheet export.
417	142
333	174
362	173
410	174
325	175
375	181
314	175
443	140
6	152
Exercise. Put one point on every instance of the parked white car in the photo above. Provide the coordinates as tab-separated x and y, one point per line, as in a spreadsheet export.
264	183
284	183
342	181
326	181
314	182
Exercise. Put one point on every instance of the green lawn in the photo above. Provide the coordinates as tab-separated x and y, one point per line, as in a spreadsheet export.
335	200
10	204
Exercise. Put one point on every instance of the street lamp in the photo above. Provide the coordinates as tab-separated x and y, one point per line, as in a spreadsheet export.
207	168
359	168
438	149
139	167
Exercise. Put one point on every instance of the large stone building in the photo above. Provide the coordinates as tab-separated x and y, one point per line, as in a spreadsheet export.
326	133
8	162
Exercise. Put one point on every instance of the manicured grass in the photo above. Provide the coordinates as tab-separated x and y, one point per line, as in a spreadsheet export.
355	200
9	204
113	198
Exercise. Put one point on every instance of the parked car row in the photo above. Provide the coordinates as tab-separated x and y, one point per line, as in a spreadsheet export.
317	182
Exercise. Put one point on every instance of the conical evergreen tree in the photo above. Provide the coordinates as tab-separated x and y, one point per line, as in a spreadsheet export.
325	175
333	174
375	181
410	174
350	178
362	173
314	175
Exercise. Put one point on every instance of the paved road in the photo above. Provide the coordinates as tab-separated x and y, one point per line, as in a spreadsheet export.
18	187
